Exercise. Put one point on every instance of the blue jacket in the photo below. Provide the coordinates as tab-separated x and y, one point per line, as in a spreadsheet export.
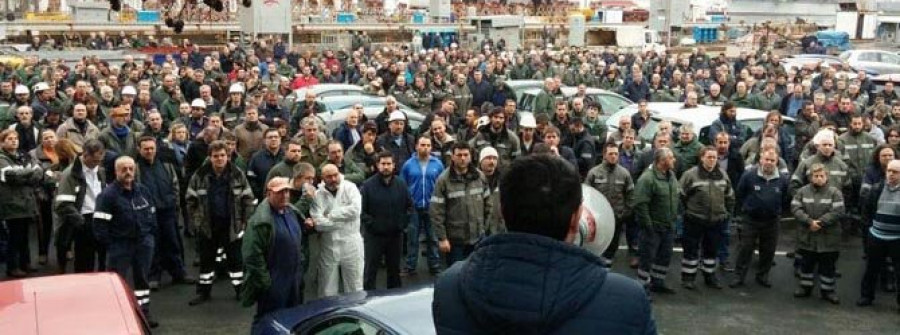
762	199
734	128
481	92
529	284
121	214
420	184
635	92
344	135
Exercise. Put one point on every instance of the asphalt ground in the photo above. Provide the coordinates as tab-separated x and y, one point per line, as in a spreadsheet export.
751	309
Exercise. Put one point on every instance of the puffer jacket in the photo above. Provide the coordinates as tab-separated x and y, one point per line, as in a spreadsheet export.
20	176
528	284
708	196
460	206
198	203
656	199
615	183
825	204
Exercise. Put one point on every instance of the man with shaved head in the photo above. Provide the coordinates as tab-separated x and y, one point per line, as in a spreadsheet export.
336	212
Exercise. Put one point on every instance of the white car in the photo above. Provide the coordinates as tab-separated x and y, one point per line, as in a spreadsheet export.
609	100
701	117
872	61
329	90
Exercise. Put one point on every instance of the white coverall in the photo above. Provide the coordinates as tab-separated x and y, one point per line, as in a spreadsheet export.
341	244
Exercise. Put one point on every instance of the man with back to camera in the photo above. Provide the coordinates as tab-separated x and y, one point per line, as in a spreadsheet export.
570	286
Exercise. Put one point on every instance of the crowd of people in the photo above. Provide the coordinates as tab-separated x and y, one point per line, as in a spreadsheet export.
114	164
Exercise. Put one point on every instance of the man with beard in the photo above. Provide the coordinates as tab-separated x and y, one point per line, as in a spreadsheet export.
460	206
487	164
399	143
363	152
351	172
614	181
582	144
441	141
165	90
42	97
497	136
336	212
263	160
462	96
385	204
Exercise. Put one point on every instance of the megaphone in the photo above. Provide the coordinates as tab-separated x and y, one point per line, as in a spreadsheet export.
597	223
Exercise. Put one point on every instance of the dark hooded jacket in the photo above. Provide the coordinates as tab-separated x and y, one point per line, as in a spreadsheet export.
518	283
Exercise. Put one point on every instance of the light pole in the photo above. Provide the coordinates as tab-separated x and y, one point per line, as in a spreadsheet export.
668	24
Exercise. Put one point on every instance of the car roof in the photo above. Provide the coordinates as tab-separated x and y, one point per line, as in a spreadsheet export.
319	88
94	303
569	91
700	117
406	309
409	312
523	83
892	77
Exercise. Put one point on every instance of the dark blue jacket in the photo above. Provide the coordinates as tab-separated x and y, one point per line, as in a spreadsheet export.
529	284
345	136
762	199
258	169
481	92
734	128
122	215
385	207
635	92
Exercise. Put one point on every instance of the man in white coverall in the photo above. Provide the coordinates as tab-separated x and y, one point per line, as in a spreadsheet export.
336	213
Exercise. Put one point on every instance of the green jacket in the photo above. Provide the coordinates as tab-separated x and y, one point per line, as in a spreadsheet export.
20	176
686	155
662	192
351	171
241	197
460	206
742	101
708	196
544	103
255	250
825	204
765	102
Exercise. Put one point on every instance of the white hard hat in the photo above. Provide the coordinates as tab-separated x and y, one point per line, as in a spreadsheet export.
198	103
236	88
488	152
527	121
41	86
597	223
397	116
482	121
129	90
22	89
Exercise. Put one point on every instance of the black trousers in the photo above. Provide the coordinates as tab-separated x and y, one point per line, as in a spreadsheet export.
610	253
822	263
753	234
45	226
701	241
388	246
655	254
18	253
90	255
877	251
168	246
214	249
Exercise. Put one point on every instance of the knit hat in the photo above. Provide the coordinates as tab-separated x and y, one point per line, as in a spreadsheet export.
488	152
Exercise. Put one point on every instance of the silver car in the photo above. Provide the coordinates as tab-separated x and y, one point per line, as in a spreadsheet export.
872	61
610	101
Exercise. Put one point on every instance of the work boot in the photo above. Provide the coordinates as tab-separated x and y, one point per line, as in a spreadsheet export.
831	297
737	282
689	285
186	280
150	320
661	288
726	266
154	285
712	281
199	300
763	280
237	291
803	292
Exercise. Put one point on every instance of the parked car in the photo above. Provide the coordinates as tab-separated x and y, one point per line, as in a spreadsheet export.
520	86
874	62
90	303
880	80
404	311
335	118
333	103
701	117
330	90
609	100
